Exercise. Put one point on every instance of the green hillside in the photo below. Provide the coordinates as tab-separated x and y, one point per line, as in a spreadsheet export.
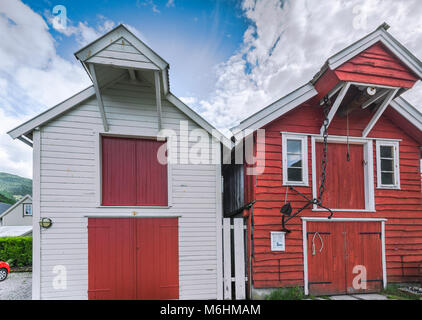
5	199
12	186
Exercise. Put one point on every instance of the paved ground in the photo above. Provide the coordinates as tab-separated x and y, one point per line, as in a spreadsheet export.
17	286
369	296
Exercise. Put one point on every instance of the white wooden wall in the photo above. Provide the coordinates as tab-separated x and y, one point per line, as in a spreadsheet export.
67	196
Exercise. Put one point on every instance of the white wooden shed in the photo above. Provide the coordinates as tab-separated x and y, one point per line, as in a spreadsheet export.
115	210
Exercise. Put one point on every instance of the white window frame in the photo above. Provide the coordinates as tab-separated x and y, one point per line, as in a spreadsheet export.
24	214
396	164
368	172
136	134
304	141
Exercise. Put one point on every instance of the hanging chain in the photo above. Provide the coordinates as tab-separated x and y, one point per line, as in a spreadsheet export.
327	105
317	201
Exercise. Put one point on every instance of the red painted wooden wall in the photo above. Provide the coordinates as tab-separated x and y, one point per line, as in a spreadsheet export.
133	258
131	173
402	208
377	65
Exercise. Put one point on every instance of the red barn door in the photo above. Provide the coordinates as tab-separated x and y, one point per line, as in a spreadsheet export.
345	186
133	259
341	255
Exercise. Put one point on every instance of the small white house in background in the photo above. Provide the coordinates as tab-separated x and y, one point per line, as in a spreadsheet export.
97	178
19	214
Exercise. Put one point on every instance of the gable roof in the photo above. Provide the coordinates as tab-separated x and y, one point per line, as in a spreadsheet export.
308	91
276	109
379	35
116	34
94	49
11	208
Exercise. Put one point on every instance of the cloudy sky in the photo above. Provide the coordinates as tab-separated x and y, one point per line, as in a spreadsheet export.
228	58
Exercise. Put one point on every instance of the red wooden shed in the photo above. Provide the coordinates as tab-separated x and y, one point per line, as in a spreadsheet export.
372	177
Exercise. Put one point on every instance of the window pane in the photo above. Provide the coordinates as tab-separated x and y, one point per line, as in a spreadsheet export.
386	151
387	178
294	146
27	209
294	174
386	165
294	160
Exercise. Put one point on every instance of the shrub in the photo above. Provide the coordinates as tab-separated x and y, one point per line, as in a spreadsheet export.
17	251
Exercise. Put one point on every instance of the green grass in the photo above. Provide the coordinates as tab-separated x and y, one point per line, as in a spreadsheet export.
295	293
392	292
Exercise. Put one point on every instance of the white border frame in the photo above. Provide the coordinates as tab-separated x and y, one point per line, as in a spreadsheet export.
129	134
305	170
305	244
368	172
396	157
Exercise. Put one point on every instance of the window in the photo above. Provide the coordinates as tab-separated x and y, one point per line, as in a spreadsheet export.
295	160
388	169
132	174
27	209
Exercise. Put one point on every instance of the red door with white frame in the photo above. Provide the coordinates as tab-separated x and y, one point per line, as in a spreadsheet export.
133	259
344	257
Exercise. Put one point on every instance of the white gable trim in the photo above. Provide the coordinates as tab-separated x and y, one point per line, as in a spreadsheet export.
276	110
199	120
379	35
90	92
52	112
120	32
379	112
408	111
57	110
15	205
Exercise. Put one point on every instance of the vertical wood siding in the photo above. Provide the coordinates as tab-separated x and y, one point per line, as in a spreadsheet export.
402	208
378	66
68	173
347	174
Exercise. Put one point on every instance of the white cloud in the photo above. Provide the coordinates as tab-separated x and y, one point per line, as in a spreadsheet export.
170	3
15	156
33	73
148	3
189	100
83	33
288	42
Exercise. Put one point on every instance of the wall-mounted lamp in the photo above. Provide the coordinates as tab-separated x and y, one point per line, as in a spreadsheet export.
45	223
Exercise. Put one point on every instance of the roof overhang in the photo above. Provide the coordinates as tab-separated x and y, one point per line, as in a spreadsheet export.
54	112
85	54
275	110
407	111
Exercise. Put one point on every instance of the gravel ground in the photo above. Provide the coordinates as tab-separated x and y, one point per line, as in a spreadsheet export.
17	286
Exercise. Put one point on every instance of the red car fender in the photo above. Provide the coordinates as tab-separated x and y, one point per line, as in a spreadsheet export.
5	265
